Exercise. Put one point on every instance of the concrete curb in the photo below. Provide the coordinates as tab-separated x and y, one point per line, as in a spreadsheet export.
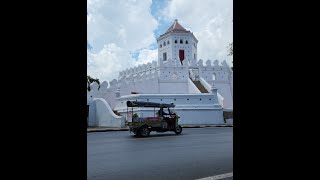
127	129
105	130
204	126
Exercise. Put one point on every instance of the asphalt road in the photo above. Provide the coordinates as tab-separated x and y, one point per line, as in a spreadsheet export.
195	153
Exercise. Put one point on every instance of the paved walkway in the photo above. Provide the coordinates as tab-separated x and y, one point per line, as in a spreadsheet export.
104	129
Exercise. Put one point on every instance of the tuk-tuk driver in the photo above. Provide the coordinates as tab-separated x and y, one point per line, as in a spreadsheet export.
162	112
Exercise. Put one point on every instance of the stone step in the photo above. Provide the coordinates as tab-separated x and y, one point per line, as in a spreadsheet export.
201	88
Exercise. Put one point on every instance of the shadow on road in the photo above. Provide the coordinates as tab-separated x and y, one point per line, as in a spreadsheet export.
155	135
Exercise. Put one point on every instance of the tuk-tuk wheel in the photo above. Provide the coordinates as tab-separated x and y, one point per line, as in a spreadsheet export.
144	131
178	130
135	132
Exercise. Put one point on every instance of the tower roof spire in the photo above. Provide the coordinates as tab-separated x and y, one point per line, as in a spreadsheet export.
176	27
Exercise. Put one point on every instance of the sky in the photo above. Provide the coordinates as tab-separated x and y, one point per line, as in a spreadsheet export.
122	34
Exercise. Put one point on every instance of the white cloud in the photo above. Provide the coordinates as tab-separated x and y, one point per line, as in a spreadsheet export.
146	56
128	24
106	64
115	30
209	20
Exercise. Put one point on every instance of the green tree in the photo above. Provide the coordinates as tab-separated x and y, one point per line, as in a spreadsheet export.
90	80
230	49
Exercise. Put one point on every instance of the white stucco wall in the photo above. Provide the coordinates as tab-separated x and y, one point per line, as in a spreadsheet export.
229	121
142	79
106	92
167	79
192	89
173	48
208	88
173	88
223	79
143	85
92	121
192	108
200	117
225	91
173	72
105	116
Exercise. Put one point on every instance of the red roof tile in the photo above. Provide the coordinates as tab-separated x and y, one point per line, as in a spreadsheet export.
176	27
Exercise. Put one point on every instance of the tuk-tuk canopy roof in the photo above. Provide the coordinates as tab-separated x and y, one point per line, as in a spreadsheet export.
148	104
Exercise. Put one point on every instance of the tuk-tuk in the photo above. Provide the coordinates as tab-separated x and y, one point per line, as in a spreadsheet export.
160	122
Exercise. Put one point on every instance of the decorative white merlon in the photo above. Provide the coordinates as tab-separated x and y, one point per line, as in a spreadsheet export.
200	63
149	65
144	67
113	83
216	64
154	64
104	85
208	63
225	66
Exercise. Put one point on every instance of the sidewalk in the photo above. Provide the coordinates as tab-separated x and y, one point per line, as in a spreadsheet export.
105	129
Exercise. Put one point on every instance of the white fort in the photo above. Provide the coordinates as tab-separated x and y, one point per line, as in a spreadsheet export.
201	92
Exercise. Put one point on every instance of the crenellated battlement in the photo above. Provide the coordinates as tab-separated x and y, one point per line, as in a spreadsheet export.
173	70
139	70
215	65
215	72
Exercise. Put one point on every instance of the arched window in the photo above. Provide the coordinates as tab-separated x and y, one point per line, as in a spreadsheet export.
164	43
160	45
164	56
181	42
186	41
175	41
168	42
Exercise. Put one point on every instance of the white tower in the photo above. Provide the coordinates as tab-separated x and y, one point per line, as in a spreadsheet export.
177	44
177	50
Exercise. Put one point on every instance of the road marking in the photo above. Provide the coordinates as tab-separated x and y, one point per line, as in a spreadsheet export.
221	176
